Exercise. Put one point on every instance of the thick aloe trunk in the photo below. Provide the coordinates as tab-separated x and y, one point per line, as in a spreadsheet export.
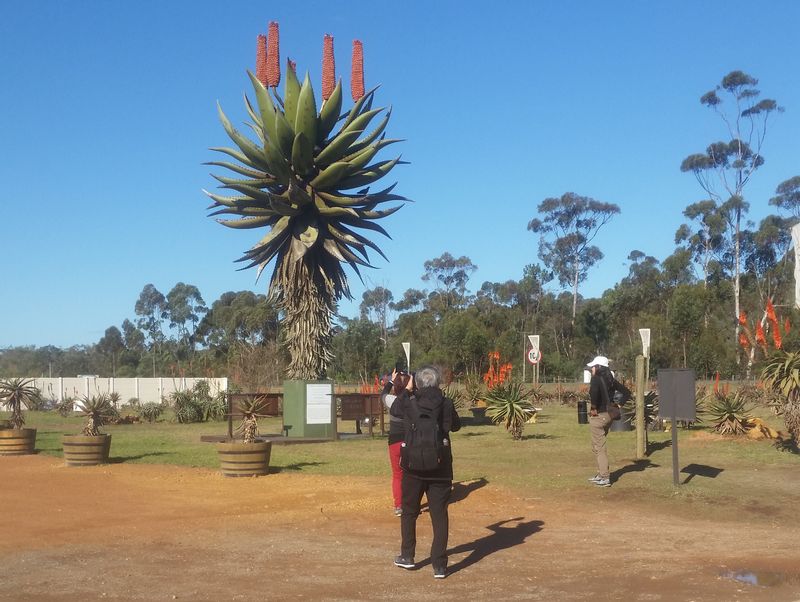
308	303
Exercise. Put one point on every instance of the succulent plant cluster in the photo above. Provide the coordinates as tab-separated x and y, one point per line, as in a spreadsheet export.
306	179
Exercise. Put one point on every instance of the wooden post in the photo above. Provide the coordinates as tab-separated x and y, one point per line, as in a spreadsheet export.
641	434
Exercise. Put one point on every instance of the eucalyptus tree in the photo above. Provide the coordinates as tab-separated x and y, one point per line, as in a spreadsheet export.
111	345
412	299
375	305
704	236
450	276
726	166
151	308
239	317
185	305
293	181
687	309
358	349
787	198
133	337
568	226
765	252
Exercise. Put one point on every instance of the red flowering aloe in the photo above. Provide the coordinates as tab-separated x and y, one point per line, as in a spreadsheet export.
307	180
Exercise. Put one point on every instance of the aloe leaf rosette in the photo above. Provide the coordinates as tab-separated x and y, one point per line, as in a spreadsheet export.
306	180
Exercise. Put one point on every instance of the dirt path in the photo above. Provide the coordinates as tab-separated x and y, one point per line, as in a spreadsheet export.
136	532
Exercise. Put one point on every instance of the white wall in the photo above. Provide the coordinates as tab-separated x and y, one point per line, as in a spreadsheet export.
145	389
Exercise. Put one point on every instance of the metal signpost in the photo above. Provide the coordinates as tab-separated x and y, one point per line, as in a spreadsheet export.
533	357
676	398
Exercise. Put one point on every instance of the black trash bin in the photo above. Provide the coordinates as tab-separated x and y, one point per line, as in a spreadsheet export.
583	412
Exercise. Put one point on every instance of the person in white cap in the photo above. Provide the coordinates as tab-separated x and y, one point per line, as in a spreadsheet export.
601	393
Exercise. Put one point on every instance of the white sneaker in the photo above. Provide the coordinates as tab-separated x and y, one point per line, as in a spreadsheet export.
595	478
603	482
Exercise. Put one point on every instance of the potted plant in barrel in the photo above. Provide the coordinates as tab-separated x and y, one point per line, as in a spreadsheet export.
16	393
250	456
91	447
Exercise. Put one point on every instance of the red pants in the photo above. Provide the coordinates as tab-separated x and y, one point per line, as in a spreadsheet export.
397	473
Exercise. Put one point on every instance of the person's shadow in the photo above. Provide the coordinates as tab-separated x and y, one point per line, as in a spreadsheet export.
501	538
636	466
461	489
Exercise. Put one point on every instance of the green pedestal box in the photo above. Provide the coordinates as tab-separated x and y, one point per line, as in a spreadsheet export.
309	409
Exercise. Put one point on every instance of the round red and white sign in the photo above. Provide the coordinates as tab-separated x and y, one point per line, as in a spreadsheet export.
534	355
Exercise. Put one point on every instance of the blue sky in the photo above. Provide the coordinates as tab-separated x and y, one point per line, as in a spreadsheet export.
107	111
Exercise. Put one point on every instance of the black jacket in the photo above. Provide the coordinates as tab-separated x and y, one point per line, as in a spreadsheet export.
430	399
603	379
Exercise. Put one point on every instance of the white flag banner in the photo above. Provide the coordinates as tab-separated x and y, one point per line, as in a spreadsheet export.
796	241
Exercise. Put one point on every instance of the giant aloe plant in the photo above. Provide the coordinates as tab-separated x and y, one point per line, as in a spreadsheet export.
306	179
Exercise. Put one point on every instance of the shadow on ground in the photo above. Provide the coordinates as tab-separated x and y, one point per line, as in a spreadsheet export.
123	459
296	467
461	489
501	537
636	466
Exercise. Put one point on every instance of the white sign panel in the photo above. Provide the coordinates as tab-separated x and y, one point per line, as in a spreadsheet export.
318	403
534	339
645	334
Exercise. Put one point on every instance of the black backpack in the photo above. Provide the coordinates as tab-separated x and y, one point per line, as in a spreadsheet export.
422	449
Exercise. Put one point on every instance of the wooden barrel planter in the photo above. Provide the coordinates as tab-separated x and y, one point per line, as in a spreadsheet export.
244	459
17	442
83	450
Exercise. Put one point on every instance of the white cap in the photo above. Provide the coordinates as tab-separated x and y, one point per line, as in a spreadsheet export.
600	360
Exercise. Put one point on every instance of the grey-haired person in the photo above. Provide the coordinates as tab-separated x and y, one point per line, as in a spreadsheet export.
436	485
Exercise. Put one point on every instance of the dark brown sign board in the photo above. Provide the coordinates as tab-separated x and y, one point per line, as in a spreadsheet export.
676	400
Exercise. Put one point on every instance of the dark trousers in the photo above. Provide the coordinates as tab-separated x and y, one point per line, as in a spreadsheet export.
438	494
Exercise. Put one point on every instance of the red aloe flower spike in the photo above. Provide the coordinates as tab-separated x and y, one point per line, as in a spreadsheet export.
786	326
760	339
776	338
261	59
744	341
328	67
743	319
273	55
357	71
771	312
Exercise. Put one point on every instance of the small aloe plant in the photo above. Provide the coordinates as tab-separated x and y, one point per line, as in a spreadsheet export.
252	410
729	413
97	410
509	403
